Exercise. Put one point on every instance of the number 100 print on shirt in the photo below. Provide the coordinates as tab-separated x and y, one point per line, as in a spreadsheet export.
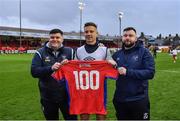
86	85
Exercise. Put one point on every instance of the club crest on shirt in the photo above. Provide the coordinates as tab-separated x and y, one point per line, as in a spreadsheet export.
47	59
135	57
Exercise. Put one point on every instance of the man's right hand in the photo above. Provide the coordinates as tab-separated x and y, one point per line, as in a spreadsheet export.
112	62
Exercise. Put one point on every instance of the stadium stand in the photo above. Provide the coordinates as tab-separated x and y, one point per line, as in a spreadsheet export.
33	39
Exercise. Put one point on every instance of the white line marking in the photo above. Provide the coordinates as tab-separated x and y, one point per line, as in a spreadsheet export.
169	71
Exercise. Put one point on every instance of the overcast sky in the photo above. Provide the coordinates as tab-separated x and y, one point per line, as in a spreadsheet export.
149	16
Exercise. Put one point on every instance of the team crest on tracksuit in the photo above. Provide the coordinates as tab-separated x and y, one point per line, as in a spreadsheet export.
135	57
47	59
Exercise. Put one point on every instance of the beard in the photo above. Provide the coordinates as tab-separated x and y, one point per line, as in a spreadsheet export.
128	44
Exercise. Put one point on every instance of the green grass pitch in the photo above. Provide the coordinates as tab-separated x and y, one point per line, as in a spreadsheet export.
19	94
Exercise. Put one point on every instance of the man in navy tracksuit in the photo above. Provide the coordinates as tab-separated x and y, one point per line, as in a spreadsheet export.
47	60
135	65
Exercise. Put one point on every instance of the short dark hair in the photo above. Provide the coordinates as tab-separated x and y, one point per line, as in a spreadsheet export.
90	24
129	28
54	31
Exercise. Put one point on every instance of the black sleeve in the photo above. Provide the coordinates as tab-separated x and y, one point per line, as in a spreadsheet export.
37	68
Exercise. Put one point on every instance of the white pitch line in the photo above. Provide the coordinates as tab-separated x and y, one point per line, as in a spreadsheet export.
11	71
169	71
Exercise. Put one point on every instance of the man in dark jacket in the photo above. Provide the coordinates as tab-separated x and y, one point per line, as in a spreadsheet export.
135	65
47	60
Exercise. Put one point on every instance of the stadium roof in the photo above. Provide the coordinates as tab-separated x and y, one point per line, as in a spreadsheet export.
37	33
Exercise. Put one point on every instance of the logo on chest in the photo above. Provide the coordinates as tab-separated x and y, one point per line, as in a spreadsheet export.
47	59
89	58
118	59
135	57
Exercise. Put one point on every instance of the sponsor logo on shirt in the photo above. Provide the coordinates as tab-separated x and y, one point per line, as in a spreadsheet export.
89	58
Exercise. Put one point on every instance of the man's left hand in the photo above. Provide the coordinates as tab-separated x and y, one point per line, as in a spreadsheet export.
122	71
63	62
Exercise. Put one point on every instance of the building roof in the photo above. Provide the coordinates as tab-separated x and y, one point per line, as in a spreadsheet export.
38	33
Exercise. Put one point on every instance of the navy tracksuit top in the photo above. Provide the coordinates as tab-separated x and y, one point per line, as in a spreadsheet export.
140	67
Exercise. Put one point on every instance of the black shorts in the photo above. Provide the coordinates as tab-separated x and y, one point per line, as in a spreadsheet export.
132	110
